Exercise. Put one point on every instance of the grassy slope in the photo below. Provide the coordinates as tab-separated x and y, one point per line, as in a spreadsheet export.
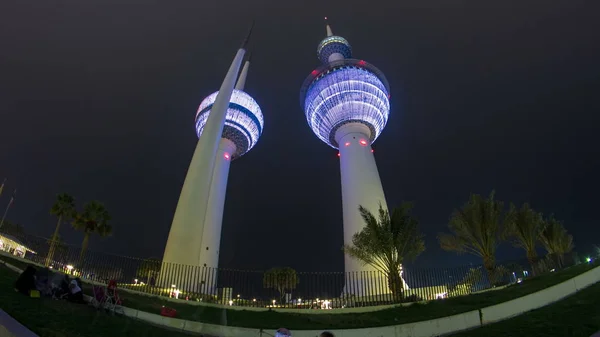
52	318
575	316
399	315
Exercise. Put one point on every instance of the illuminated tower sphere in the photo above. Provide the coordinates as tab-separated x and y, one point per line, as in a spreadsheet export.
193	241
243	126
346	102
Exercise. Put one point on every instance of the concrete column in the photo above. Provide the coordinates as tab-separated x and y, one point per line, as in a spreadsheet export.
361	186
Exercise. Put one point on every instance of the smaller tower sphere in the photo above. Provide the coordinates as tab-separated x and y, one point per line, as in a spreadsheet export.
333	45
244	121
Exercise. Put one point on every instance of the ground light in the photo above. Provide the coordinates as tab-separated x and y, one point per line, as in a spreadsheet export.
589	259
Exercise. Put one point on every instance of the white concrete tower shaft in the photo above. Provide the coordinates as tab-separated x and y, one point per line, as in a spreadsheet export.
184	244
213	223
361	186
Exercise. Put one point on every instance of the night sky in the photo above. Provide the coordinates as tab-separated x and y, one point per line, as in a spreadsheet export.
97	99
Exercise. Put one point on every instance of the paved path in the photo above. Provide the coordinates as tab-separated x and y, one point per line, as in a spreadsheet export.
9	327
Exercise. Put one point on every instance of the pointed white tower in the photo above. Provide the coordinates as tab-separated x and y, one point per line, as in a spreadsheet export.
194	237
346	102
244	123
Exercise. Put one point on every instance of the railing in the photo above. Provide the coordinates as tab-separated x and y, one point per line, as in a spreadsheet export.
301	290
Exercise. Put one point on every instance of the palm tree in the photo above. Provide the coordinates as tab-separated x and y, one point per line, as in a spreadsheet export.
556	240
475	230
523	226
387	241
93	220
64	209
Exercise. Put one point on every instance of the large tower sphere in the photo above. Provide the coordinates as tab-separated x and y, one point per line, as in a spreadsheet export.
243	124
345	91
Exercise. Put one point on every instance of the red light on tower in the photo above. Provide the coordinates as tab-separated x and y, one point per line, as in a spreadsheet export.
362	63
363	142
226	156
339	155
372	150
314	72
347	144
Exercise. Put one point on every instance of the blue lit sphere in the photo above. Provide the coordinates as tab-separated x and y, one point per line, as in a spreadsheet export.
244	121
346	91
332	45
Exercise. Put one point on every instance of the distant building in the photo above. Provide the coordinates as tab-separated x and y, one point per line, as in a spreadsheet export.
12	245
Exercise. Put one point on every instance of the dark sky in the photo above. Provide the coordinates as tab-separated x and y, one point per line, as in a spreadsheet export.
97	99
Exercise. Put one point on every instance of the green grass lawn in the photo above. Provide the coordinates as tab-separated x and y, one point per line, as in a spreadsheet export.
392	316
52	318
575	316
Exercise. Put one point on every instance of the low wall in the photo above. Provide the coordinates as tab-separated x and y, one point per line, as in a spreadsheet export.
539	299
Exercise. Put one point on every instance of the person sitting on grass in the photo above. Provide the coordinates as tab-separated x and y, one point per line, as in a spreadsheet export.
26	281
75	293
283	332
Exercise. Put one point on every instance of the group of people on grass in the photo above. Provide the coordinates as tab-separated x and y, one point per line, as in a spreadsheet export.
47	283
283	332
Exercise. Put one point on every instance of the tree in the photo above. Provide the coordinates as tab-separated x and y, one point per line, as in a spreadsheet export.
147	269
280	279
93	220
475	230
523	226
64	209
387	241
556	240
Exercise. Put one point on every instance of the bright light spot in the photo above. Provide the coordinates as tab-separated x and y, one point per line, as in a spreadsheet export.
254	300
519	280
317	300
299	301
238	296
230	302
314	72
226	156
173	286
362	63
70	267
440	295
552	270
176	293
347	144
588	260
363	142
136	281
326	304
372	150
339	155
274	302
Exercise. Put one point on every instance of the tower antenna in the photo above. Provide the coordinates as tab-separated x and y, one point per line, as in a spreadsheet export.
329	32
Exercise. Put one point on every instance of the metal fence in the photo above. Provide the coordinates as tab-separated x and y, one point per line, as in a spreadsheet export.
301	290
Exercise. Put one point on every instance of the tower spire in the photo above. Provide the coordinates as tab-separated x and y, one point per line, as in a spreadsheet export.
241	82
329	32
247	39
